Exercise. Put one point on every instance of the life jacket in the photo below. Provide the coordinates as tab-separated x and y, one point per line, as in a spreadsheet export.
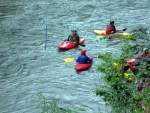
109	29
83	59
72	38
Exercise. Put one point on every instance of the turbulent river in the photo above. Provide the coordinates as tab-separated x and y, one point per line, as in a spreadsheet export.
26	68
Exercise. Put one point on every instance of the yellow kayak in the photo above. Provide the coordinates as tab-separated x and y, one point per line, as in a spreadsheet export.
103	33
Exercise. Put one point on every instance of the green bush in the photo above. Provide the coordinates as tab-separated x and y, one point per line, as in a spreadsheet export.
50	106
120	91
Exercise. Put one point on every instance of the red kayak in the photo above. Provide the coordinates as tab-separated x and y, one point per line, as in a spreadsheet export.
81	67
130	62
65	45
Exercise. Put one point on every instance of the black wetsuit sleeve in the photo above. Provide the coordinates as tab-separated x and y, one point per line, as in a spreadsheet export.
78	38
114	29
68	37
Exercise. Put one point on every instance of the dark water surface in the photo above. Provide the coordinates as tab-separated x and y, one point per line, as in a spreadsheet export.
26	68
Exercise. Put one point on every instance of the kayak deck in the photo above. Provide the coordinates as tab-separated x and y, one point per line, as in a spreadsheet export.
130	62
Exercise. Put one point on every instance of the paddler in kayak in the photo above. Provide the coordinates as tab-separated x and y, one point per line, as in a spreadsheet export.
74	37
111	29
83	59
144	57
136	64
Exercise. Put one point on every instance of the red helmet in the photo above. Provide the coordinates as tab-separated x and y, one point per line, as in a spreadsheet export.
83	51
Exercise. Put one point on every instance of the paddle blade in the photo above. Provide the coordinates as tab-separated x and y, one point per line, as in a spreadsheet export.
82	45
69	59
124	29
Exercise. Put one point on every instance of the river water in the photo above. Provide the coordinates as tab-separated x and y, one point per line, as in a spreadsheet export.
26	68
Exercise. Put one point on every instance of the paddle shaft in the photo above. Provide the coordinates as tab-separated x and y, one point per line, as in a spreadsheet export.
46	38
72	59
81	45
117	31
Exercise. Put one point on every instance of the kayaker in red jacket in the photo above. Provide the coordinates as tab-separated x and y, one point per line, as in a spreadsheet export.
74	37
110	29
83	59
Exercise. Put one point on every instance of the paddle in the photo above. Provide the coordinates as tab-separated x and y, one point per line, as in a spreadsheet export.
116	33
69	59
72	59
124	29
81	45
121	30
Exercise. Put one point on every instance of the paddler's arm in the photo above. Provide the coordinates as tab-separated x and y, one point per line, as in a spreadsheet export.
89	59
68	37
114	29
78	40
77	60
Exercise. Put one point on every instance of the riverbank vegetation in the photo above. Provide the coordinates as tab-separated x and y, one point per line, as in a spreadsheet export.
120	91
50	106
